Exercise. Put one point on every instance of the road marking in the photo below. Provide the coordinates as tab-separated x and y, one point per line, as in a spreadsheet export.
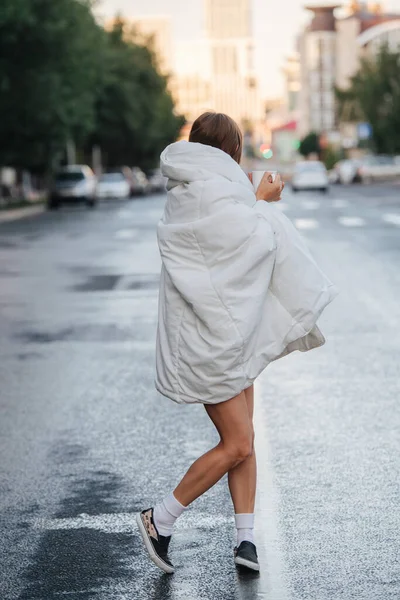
340	203
154	214
306	223
351	221
21	213
122	522
310	204
269	539
126	234
392	218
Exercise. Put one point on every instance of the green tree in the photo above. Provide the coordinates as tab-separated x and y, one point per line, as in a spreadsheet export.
310	144
49	74
63	77
374	96
135	112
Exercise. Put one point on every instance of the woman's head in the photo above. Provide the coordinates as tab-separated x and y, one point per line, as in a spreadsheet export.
220	131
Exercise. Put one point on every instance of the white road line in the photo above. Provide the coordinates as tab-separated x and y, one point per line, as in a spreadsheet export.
268	535
351	221
126	234
154	214
306	223
310	204
392	218
21	213
122	522
340	203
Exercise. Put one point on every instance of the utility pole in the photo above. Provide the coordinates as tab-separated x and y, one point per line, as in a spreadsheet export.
71	152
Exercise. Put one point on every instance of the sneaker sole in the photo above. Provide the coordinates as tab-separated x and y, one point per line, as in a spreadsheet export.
242	562
149	547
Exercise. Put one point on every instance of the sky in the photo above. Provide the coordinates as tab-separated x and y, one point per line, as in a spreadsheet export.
275	27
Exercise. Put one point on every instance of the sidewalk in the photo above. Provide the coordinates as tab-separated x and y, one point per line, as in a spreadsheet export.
13	214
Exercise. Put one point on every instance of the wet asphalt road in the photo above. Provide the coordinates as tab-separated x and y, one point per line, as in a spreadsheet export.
86	441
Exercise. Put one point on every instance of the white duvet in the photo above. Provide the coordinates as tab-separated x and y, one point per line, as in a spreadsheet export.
238	286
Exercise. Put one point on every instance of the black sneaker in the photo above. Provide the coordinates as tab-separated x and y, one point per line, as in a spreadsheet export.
246	556
156	544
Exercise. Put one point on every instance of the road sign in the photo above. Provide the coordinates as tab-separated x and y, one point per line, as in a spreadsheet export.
364	131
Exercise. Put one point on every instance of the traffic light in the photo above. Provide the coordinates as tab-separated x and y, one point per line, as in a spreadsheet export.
266	151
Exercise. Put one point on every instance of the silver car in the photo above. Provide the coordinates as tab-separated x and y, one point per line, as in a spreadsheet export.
378	168
75	183
310	175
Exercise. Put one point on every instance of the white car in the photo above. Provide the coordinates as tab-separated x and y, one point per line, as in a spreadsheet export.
157	181
310	175
75	183
378	168
345	171
113	185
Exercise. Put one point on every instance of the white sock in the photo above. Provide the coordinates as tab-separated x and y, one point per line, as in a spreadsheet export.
166	513
245	527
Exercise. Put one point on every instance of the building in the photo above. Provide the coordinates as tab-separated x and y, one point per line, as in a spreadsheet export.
318	57
292	76
331	48
360	34
191	83
215	72
233	81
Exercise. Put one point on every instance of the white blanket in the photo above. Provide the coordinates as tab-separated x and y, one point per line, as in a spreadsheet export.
238	287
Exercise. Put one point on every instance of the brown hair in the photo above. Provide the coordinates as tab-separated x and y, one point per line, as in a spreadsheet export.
220	131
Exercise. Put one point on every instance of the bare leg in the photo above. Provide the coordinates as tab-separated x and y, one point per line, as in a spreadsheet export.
233	424
242	479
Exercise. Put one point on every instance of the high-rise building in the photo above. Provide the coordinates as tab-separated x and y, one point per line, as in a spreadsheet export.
318	50
233	81
361	33
291	72
331	48
191	83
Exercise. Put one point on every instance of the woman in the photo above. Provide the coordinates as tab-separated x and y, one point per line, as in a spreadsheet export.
238	290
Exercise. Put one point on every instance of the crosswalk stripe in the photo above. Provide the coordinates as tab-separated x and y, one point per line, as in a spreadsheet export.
310	204
392	218
306	223
126	234
338	203
351	221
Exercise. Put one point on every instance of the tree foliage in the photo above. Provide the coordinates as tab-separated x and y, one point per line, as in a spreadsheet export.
135	112
63	77
48	78
310	145
374	97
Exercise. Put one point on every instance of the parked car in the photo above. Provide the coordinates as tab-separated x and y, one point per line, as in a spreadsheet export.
310	175
378	168
75	183
138	181
157	181
345	171
113	185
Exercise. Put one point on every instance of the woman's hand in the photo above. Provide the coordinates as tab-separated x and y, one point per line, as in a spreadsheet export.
268	190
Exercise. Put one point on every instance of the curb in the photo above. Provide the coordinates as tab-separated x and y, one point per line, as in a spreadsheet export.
20	213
